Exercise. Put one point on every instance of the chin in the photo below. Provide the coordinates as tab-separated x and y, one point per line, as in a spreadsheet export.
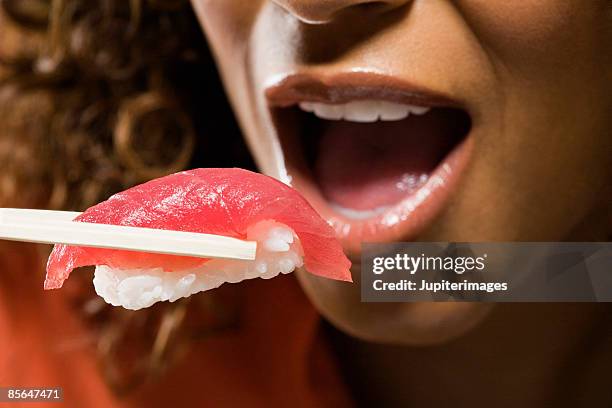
417	323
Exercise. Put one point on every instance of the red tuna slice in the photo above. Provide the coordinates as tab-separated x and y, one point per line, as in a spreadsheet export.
213	201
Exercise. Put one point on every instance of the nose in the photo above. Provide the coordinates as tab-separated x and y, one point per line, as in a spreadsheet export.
323	11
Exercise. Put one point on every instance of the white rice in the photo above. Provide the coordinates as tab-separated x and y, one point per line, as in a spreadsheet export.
278	251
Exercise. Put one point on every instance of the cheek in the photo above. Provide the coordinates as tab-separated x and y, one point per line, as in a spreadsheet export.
229	26
520	22
534	30
545	157
227	23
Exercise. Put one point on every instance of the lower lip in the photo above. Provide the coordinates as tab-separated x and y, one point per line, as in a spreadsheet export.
403	221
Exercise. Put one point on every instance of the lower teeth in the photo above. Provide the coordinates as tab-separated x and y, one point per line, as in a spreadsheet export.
358	214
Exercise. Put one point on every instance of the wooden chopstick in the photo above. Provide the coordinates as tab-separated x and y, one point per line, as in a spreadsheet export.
56	227
24	214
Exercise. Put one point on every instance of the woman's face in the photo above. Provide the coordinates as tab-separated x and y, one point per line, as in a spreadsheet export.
508	134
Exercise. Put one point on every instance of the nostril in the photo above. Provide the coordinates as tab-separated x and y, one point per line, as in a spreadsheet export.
324	11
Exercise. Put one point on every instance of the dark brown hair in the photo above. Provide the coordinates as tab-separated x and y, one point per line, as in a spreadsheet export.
96	96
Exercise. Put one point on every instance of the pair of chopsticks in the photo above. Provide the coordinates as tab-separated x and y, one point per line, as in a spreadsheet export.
57	227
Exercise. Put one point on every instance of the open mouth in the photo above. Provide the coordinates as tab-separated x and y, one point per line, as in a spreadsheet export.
377	161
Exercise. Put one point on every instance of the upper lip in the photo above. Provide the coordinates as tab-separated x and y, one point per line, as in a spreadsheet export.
345	87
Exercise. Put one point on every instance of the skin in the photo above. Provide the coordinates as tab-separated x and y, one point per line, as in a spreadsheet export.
535	78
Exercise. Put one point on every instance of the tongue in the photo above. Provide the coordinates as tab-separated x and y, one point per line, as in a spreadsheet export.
364	166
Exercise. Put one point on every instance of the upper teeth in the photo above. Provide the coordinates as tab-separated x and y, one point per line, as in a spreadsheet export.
363	111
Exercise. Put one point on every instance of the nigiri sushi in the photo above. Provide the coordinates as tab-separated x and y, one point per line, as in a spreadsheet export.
231	202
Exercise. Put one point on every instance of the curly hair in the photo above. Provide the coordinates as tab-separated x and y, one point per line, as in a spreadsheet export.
98	96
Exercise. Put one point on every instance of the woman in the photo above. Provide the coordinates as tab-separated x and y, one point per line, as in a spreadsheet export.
508	138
